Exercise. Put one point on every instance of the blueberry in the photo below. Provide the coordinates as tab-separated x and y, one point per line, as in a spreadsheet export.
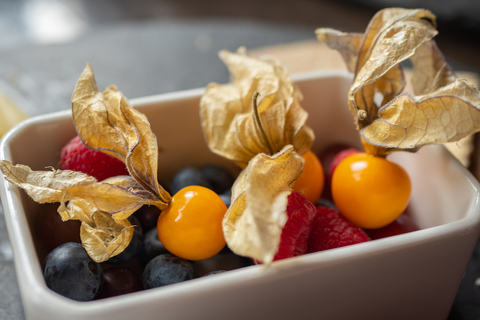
188	176
118	280
69	271
325	203
226	197
220	178
152	246
167	269
135	246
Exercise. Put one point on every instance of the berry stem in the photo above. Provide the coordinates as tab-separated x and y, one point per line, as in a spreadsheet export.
259	123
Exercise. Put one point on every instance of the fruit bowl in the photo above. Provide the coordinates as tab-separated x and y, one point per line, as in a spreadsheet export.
388	278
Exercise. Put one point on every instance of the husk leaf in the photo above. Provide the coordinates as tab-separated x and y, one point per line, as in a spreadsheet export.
64	185
253	223
102	236
105	122
441	109
227	115
102	207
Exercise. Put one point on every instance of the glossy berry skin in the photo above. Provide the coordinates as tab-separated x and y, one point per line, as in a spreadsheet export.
191	227
77	156
331	230
69	271
370	191
188	176
337	159
312	179
297	229
167	269
119	280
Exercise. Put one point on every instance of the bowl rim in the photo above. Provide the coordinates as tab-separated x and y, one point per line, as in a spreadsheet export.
28	269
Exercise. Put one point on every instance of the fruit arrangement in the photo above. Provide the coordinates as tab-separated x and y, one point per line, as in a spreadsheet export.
286	201
145	263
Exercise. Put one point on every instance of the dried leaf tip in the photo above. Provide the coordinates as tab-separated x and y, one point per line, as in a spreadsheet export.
257	121
228	117
106	122
253	223
441	107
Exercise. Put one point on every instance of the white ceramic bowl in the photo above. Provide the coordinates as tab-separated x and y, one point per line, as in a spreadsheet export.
410	276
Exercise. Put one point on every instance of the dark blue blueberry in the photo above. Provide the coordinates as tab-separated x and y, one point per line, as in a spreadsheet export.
133	248
152	247
188	176
219	178
118	280
69	271
167	269
325	203
226	197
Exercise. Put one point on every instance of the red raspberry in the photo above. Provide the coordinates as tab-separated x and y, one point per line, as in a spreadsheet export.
296	232
327	155
77	156
332	230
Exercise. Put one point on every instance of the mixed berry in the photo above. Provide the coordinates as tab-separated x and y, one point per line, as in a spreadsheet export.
69	271
77	156
314	224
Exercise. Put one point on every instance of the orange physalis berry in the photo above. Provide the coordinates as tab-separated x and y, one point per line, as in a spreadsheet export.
191	227
370	191
312	179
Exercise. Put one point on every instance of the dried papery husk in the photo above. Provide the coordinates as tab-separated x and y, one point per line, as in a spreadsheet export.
101	234
408	123
253	223
347	44
105	122
102	207
64	185
227	115
441	108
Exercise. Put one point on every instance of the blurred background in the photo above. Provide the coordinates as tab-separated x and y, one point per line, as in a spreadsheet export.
148	47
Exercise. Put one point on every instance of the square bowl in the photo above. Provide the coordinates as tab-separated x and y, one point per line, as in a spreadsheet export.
409	276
